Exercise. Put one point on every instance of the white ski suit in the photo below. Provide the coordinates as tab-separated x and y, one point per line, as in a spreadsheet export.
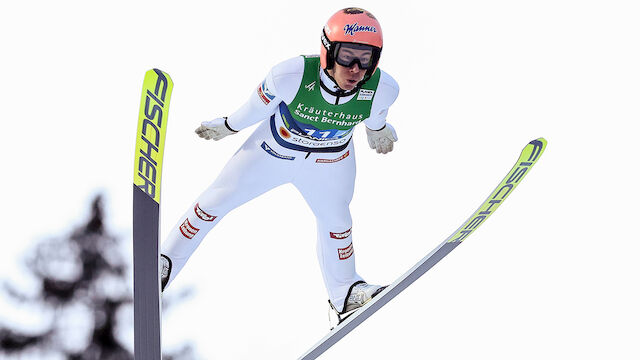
321	167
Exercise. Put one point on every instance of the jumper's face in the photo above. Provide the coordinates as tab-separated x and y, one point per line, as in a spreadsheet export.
347	77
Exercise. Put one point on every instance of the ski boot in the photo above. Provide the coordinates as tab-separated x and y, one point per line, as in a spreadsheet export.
166	271
358	295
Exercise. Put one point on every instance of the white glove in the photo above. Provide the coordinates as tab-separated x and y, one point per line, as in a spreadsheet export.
382	140
214	129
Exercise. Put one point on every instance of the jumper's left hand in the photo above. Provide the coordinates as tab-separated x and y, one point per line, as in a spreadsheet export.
382	140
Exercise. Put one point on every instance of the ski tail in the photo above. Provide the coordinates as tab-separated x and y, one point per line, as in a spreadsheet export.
150	139
528	157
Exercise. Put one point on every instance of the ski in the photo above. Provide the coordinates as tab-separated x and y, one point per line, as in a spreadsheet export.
152	127
529	156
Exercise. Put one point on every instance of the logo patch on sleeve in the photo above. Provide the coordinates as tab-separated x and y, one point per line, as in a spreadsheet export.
365	94
265	95
188	230
344	254
340	236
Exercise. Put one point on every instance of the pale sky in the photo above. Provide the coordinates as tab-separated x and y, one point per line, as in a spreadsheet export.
553	273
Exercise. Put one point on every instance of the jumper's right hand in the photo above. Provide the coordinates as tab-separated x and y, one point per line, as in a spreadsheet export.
215	129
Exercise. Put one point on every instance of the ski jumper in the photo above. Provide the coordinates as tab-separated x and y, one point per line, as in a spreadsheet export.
304	138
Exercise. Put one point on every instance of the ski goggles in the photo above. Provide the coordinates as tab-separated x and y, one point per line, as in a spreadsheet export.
348	54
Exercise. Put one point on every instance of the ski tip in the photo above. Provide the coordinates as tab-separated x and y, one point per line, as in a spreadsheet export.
157	73
152	127
540	143
534	149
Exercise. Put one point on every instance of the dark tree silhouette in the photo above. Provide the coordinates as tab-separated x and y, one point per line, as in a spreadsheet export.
86	270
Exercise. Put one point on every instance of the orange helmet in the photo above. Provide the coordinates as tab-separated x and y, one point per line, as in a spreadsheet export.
351	26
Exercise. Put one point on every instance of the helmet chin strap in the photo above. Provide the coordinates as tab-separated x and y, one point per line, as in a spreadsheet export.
341	92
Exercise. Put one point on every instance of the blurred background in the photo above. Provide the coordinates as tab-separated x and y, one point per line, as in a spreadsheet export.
553	274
